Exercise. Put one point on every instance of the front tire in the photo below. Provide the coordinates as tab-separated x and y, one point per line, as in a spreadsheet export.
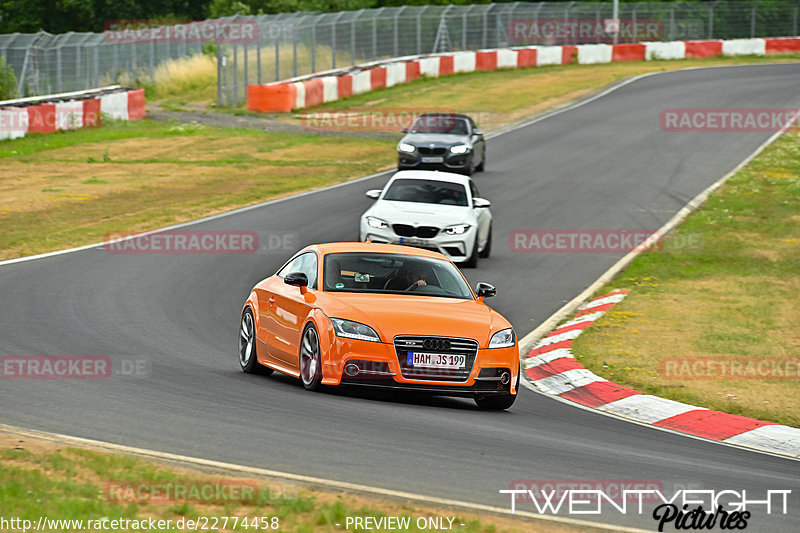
482	166
472	262
487	249
498	403
310	359
248	359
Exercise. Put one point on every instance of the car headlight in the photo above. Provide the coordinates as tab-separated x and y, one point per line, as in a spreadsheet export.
458	229
503	339
405	147
459	149
354	330
377	223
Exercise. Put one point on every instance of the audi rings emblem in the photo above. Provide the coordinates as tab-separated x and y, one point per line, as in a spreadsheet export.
436	344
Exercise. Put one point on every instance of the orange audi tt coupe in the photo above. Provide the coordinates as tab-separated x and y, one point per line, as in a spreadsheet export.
380	315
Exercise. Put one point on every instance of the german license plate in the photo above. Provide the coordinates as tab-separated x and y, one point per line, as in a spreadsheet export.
436	360
432	159
411	241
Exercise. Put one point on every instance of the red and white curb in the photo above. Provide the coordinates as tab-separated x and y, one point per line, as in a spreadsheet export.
552	368
69	111
329	86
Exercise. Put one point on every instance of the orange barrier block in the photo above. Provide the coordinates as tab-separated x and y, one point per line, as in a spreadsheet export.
377	77
777	45
345	86
315	92
412	70
628	52
446	65
569	54
91	113
485	60
526	57
698	49
136	109
276	98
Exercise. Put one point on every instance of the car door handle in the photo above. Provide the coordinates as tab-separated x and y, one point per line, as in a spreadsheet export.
272	301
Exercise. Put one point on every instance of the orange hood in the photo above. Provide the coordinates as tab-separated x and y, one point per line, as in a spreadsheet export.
390	315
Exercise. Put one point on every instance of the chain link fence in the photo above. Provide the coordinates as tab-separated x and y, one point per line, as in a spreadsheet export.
291	44
303	43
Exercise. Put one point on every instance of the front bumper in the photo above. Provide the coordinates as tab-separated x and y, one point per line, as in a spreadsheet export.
457	248
417	161
379	367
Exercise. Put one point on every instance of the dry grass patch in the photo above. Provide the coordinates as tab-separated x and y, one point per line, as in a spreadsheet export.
734	296
62	196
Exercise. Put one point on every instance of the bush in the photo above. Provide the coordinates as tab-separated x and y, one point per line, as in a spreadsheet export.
8	81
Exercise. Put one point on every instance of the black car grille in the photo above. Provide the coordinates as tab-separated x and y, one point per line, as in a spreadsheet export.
404	344
424	232
423	150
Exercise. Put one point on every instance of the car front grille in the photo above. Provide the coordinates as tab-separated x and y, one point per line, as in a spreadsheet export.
424	150
403	344
424	232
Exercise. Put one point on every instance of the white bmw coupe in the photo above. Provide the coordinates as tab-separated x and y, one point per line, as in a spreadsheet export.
438	211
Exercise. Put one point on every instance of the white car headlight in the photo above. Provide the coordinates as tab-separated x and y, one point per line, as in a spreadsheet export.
405	147
377	223
459	149
354	330
503	339
458	229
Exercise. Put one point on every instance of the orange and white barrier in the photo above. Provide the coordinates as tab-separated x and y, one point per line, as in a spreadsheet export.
69	111
309	91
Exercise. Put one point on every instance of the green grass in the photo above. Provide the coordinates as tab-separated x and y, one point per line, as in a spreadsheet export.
732	293
62	483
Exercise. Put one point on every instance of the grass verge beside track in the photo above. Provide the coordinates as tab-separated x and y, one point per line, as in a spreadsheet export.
727	288
72	188
41	479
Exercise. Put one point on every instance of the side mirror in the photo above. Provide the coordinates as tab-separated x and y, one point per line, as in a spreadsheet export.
476	131
485	290
481	202
404	130
374	194
297	279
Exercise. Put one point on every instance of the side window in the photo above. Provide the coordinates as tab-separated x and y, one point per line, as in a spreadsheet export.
305	263
472	123
474	189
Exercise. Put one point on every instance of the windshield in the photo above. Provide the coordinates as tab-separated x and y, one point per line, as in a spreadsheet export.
427	192
393	274
440	124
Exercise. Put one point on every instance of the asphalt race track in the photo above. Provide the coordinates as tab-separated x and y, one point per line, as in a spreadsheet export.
604	165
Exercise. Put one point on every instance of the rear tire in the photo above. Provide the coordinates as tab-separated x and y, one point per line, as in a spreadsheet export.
472	262
487	250
248	359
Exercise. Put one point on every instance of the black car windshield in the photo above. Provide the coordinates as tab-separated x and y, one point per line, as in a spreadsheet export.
440	124
427	192
388	273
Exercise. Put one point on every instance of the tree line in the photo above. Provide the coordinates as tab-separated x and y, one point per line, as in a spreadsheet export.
61	16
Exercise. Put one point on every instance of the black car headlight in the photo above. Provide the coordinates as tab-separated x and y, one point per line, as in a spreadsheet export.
503	339
354	330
